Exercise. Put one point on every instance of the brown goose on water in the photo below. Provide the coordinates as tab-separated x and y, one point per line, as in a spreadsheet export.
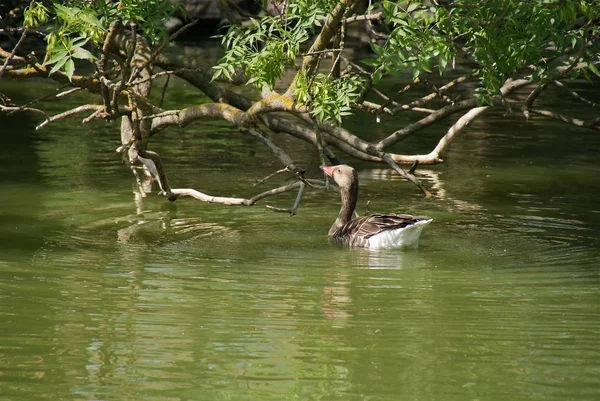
373	231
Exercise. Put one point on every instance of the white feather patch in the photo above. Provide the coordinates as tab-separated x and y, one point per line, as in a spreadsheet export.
406	237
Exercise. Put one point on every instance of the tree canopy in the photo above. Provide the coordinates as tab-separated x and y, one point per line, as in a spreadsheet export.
469	56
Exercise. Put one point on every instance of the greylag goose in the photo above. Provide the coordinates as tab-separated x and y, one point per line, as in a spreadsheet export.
373	231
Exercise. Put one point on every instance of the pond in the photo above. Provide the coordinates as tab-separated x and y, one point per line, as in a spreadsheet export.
107	297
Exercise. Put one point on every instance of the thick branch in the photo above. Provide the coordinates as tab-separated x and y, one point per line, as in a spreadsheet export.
329	30
462	122
207	111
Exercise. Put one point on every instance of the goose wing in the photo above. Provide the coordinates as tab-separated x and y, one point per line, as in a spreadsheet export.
359	230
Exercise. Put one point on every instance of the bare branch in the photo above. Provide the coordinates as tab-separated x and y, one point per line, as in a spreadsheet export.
575	95
208	198
294	208
592	124
12	53
274	191
14	109
68	92
422	123
462	122
283	170
76	110
389	160
330	28
207	111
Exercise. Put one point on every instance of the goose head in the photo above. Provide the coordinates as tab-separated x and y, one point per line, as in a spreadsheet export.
343	175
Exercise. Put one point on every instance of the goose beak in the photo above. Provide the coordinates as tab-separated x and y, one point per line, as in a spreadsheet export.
327	170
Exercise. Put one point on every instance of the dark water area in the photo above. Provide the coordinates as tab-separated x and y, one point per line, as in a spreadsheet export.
107	297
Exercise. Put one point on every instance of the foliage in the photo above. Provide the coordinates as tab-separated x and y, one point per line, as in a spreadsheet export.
327	98
503	46
499	37
79	24
269	46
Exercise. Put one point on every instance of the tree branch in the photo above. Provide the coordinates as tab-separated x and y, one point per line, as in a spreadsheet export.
575	95
80	109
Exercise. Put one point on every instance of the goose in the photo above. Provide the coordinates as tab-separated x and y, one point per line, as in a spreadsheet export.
374	231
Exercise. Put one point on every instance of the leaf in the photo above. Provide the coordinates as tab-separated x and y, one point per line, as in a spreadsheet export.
593	69
56	57
442	63
377	49
412	7
377	75
425	67
373	62
69	68
82	54
80	41
415	73
58	65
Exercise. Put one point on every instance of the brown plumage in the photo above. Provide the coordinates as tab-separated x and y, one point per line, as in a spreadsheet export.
372	231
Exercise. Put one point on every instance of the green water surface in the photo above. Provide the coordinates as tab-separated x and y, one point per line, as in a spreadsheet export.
105	297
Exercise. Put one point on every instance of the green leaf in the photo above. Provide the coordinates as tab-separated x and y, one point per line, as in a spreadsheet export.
56	57
442	63
377	49
58	65
377	74
412	7
82	54
593	69
373	62
69	68
415	73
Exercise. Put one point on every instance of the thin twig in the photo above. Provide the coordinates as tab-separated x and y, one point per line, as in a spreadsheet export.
68	113
283	170
14	109
12	53
164	91
319	52
68	92
575	95
36	100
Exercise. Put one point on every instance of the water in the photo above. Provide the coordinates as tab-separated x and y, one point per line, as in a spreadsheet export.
103	297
